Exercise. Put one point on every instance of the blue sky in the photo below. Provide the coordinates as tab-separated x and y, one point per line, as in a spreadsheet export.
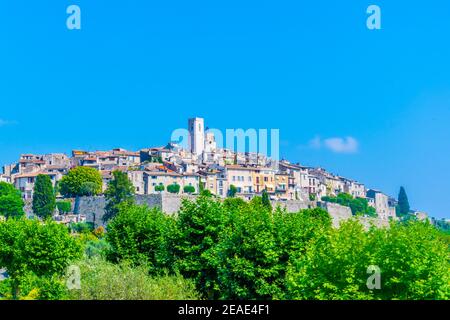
138	69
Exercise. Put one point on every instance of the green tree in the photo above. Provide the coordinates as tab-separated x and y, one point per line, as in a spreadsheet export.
30	249
64	206
44	202
142	236
265	200
81	181
160	188
189	189
120	192
403	203
11	203
232	190
174	188
333	266
414	261
199	225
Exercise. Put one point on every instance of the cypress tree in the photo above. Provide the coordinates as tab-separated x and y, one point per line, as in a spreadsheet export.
120	192
266	200
403	203
44	202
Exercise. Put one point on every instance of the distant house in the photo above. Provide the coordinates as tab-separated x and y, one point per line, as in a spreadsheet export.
380	202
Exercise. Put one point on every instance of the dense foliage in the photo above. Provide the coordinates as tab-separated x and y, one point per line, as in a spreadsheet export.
103	280
44	202
225	249
36	254
81	181
64	206
234	249
359	206
142	236
120	192
11	203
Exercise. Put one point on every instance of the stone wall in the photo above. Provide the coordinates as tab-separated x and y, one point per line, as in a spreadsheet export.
94	208
337	212
294	205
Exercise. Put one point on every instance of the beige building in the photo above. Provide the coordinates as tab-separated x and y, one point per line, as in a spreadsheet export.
380	202
242	178
25	182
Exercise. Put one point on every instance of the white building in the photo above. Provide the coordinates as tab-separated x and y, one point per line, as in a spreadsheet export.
196	135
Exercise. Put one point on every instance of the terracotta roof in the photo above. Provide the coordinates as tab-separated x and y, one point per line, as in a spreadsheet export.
34	174
162	173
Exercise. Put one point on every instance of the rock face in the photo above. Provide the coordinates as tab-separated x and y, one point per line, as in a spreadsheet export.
94	208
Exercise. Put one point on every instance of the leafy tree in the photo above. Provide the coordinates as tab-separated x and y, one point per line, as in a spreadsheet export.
142	236
81	181
312	196
248	254
413	258
403	203
120	192
265	200
160	188
11	203
64	206
232	190
88	189
199	225
333	267
29	248
189	189
174	188
44	202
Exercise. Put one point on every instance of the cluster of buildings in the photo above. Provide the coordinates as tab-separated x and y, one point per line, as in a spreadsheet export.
203	165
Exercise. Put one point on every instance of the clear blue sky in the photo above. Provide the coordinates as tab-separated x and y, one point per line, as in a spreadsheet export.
138	69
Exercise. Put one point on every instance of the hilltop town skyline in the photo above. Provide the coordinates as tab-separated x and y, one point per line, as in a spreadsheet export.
202	160
368	104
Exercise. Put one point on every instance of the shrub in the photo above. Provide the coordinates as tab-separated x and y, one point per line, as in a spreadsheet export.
101	280
64	206
173	188
189	189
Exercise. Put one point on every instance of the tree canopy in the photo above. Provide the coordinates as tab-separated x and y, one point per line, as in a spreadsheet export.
11	203
120	192
81	181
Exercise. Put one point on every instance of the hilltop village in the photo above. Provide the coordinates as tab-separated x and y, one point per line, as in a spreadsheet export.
201	166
